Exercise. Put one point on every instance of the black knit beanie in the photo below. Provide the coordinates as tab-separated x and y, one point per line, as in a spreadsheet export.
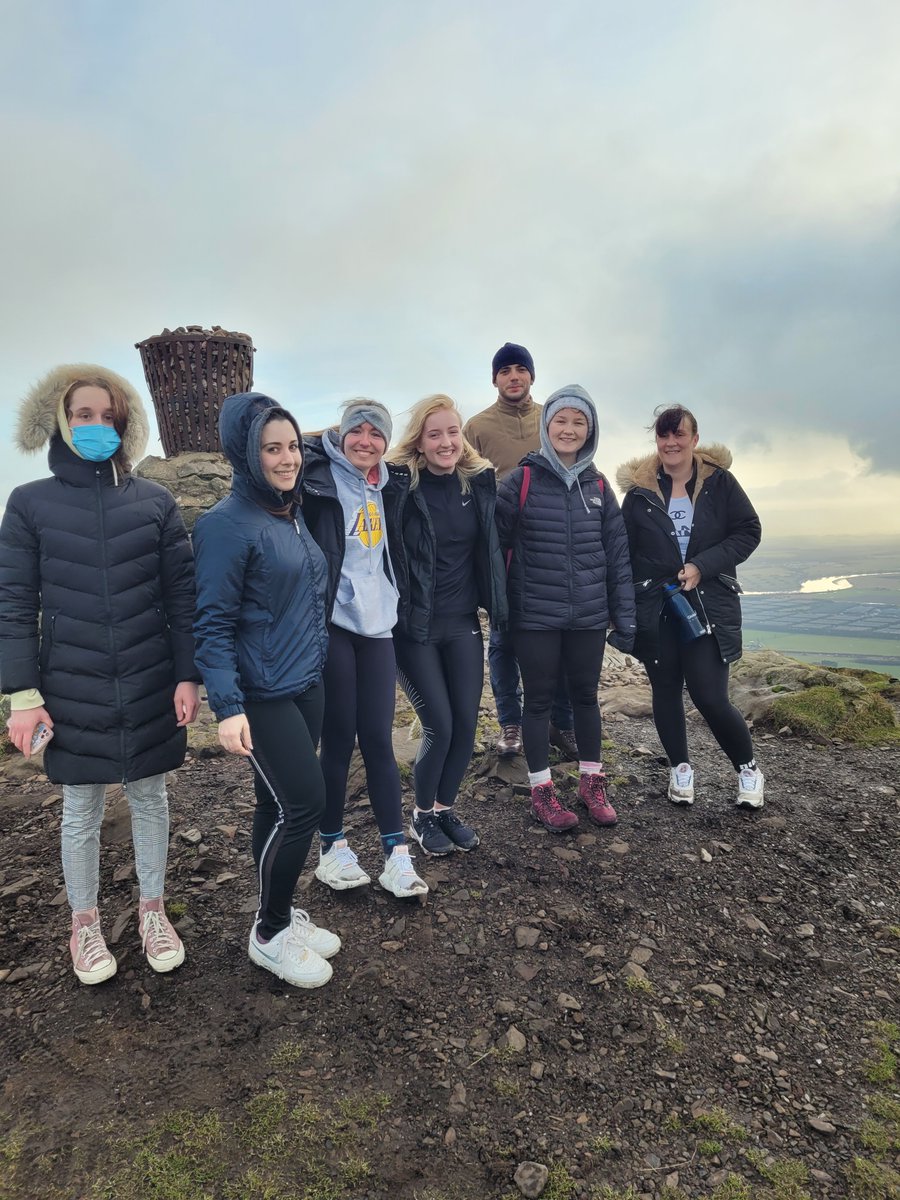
510	355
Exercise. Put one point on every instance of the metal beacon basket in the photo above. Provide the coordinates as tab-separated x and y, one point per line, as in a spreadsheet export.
189	372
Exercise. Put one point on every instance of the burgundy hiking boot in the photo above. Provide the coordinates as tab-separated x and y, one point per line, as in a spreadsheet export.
546	808
592	794
564	741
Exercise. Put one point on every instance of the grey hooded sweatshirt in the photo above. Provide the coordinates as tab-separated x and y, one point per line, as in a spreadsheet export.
366	601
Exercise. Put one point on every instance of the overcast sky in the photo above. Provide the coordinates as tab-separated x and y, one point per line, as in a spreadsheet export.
692	202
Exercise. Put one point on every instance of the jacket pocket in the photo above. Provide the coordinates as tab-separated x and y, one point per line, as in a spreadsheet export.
48	635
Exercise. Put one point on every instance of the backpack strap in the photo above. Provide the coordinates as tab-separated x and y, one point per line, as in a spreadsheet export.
523	496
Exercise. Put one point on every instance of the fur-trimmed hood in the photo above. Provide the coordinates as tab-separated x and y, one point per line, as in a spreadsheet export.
38	413
641	472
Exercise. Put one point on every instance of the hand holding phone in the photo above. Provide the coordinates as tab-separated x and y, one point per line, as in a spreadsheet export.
42	735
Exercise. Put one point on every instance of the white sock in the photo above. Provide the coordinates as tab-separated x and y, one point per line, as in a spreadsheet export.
588	768
536	778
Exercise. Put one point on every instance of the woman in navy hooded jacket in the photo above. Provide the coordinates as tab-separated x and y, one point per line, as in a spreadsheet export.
569	581
261	645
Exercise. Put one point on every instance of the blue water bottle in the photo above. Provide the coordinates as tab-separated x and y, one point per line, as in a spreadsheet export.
682	611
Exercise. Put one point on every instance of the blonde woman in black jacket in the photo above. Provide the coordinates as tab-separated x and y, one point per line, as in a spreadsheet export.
689	524
454	566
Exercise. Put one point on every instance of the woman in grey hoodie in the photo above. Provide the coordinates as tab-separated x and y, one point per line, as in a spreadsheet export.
352	502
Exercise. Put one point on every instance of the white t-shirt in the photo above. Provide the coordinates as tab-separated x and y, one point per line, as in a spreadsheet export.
681	513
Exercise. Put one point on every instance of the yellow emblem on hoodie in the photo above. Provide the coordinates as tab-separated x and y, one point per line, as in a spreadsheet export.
367	525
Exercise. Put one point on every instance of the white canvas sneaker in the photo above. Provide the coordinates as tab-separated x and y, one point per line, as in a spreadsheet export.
339	868
751	789
399	876
681	784
289	959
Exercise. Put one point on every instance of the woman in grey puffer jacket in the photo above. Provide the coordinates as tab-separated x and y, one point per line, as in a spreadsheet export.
569	581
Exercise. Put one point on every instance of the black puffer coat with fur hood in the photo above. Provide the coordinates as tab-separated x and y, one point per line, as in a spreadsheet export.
725	532
96	599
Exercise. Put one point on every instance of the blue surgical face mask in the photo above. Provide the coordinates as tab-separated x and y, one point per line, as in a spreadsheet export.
96	443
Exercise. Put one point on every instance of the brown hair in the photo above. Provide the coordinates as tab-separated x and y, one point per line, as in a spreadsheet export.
668	420
119	405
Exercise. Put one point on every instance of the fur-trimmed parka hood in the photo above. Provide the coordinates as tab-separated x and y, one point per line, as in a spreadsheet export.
642	472
38	413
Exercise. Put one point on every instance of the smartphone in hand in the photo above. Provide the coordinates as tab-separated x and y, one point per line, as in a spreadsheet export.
42	735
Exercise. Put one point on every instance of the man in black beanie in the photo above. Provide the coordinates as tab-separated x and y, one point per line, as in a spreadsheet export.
504	434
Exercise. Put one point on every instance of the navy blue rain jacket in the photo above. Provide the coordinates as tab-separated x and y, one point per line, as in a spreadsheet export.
261	579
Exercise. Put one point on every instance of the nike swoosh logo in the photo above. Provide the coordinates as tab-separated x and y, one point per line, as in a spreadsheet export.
465	502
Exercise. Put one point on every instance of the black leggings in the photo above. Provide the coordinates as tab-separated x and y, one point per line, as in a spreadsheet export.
699	665
541	653
360	697
289	800
443	679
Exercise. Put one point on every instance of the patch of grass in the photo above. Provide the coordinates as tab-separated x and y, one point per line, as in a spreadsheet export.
872	1181
708	1147
881	1066
288	1054
602	1145
786	1178
672	1123
264	1132
175	909
364	1110
638	985
354	1171
734	1188
560	1184
505	1086
675	1045
718	1121
611	1193
875	1137
894	930
826	711
885	1107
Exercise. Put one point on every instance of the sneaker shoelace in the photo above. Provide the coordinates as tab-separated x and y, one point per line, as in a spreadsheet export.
511	733
345	856
92	949
158	934
405	870
749	781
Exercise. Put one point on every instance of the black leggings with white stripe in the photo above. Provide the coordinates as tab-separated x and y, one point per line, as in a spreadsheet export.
290	798
443	679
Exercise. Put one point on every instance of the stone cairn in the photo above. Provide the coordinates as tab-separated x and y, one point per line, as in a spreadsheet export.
190	371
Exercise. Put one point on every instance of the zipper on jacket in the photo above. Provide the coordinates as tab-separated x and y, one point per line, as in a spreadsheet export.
110	633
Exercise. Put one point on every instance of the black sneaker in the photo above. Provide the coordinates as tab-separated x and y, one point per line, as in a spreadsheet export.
462	836
429	834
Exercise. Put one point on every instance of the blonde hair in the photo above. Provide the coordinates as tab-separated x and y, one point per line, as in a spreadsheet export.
406	452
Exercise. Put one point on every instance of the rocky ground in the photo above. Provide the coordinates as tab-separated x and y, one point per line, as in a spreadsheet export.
699	1002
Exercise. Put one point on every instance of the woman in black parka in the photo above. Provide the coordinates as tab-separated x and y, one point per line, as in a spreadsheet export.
569	582
97	599
690	523
454	566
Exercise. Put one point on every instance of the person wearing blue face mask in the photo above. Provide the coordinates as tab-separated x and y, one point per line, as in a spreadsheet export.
96	644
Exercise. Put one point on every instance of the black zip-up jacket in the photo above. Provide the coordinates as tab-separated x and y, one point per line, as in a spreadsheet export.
420	549
570	567
324	517
725	532
97	600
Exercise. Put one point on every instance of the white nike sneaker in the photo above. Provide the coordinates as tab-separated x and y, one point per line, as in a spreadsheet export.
751	789
681	784
399	875
289	959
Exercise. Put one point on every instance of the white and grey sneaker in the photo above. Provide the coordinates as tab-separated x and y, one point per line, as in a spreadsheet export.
399	875
751	788
325	943
289	959
339	868
681	784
